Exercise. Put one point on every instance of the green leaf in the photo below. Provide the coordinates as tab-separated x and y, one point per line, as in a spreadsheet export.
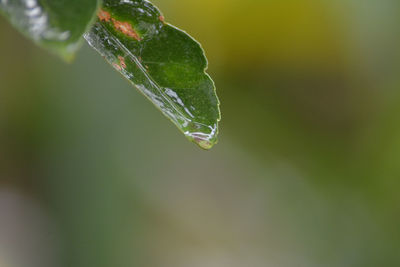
164	63
57	25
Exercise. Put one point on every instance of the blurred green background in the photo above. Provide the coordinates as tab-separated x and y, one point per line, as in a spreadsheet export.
306	172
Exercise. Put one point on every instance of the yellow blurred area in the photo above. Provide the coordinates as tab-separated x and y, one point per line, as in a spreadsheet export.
276	32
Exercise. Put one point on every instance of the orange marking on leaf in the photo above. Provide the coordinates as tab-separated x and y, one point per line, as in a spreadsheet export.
126	28
122	62
118	67
161	18
103	15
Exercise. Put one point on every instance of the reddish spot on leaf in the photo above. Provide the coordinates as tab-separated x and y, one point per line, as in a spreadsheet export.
103	15
162	18
118	67
122	62
203	143
126	28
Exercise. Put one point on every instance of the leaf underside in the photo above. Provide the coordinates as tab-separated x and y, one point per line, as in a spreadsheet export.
162	62
57	25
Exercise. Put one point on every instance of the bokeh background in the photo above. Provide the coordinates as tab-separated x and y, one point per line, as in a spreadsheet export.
306	173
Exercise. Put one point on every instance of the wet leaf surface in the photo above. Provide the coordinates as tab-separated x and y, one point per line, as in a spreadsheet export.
57	25
164	63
